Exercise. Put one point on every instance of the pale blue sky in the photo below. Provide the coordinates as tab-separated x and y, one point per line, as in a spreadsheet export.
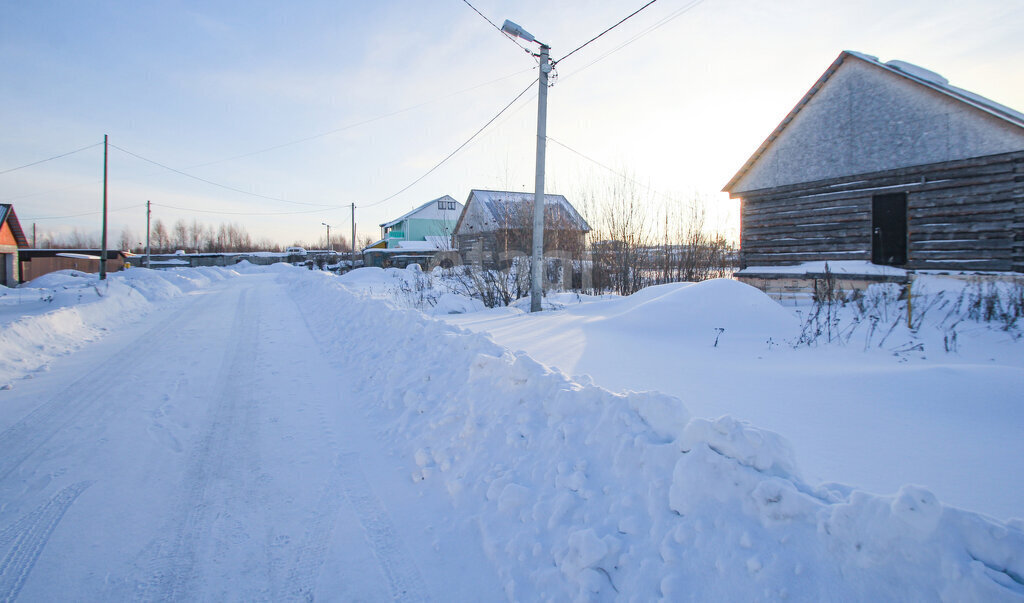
189	83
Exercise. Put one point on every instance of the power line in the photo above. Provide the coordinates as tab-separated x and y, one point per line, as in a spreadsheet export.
245	213
88	213
55	190
513	40
612	170
672	16
626	18
273	147
21	167
452	154
359	123
217	184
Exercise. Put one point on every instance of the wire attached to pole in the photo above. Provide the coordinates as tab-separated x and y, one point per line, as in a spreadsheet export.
626	18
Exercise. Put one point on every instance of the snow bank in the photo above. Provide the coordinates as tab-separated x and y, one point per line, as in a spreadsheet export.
720	309
57	313
584	494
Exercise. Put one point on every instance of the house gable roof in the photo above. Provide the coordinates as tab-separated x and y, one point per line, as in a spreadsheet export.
960	139
488	210
8	217
426	206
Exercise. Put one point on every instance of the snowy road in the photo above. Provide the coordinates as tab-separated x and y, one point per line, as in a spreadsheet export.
213	452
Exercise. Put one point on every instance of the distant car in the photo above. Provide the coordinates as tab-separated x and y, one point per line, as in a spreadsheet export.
295	251
180	252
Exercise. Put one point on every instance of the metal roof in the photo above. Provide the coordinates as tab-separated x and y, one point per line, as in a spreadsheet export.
501	206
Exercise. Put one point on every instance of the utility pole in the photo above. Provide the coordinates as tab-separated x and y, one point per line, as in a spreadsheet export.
537	257
103	241
149	212
537	261
353	236
34	236
328	235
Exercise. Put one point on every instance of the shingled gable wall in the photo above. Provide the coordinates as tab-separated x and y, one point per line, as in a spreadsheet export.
869	131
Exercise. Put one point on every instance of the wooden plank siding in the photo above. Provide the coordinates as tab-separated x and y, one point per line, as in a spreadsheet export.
961	215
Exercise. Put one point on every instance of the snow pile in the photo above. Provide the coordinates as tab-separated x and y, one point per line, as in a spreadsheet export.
721	310
59	312
586	494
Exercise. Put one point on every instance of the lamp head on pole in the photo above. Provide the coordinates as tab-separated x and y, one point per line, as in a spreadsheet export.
516	31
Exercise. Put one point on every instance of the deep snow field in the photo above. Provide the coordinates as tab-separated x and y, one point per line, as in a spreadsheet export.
681	443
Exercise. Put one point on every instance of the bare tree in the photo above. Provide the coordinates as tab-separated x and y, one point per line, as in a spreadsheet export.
159	241
127	242
180	235
638	242
196	235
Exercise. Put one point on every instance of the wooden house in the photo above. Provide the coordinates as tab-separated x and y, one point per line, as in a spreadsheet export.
885	164
496	226
12	238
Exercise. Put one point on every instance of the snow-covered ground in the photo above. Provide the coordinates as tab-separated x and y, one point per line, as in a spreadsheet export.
277	433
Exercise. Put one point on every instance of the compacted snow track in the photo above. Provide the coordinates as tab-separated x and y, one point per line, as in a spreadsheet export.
210	452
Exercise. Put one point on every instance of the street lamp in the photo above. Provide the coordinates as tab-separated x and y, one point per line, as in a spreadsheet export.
537	257
328	235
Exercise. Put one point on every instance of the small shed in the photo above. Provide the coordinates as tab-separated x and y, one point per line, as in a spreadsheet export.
37	262
496	226
885	164
12	239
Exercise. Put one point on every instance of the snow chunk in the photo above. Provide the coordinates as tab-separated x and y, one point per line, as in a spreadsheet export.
918	72
585	550
758	448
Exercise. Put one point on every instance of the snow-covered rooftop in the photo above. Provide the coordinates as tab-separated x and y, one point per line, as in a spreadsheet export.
503	205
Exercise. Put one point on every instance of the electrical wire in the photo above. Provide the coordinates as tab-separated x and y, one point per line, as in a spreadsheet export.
452	154
500	30
21	167
245	213
626	18
359	123
217	184
54	190
88	213
672	16
612	170
278	146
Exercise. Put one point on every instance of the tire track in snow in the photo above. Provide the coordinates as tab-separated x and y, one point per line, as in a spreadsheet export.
317	540
221	479
21	440
347	480
25	539
402	574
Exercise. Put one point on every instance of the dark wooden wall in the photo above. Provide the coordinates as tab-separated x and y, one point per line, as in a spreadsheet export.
962	215
498	247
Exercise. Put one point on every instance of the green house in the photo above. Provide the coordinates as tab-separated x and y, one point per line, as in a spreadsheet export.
427	223
416	237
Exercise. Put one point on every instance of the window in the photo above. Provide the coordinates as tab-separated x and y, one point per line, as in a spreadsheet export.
440	204
451	205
